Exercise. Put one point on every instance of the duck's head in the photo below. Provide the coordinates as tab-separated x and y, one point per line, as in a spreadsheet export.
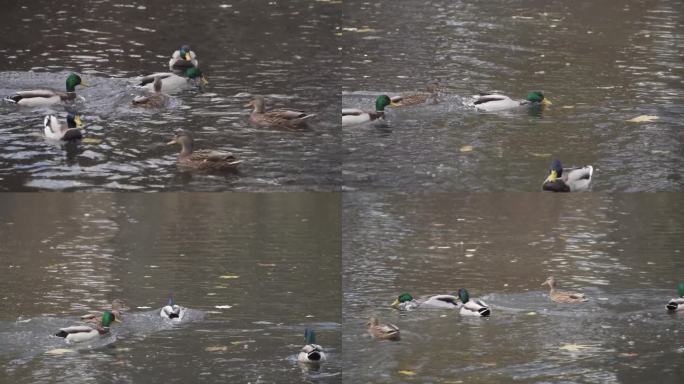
373	321
463	295
309	336
107	318
403	298
194	73
556	171
74	120
185	52
551	281
117	307
383	101
680	289
72	81
257	103
183	138
538	97
171	301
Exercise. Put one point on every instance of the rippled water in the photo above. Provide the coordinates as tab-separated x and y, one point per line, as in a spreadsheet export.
254	269
283	50
600	64
624	251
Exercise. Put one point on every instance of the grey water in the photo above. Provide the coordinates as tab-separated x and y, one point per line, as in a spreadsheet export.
254	270
284	51
624	251
600	63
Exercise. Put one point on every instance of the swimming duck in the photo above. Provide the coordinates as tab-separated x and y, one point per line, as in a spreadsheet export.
574	179
44	97
80	333
311	352
352	116
183	59
383	331
55	130
172	311
677	304
172	82
420	98
276	118
117	310
155	99
207	160
563	297
491	102
473	307
406	302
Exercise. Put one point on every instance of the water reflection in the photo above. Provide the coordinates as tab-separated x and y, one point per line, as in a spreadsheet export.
622	251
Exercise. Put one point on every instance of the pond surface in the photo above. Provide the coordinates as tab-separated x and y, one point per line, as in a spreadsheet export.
254	270
601	64
285	51
624	251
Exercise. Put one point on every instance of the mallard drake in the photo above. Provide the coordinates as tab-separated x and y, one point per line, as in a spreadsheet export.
563	297
574	179
183	59
353	116
491	102
311	352
171	82
473	307
207	160
117	310
677	304
406	302
419	98
55	130
155	99
383	331
172	311
80	333
275	118
44	97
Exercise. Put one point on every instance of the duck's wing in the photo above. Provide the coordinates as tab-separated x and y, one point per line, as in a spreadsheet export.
74	329
579	178
40	93
352	112
149	79
209	155
448	299
289	114
486	98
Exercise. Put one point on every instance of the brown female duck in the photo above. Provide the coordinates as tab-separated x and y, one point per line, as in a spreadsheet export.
283	118
206	160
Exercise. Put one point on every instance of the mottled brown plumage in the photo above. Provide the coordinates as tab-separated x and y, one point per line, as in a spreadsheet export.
563	297
383	331
206	160
280	118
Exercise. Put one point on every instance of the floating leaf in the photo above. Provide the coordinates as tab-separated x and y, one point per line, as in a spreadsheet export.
229	277
59	351
466	148
407	373
533	313
218	348
91	140
223	306
575	347
266	265
643	119
540	154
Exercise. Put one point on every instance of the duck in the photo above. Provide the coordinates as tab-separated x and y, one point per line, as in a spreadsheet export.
207	160
406	302
117	310
311	352
47	97
575	179
492	102
354	116
155	99
677	304
383	331
55	130
475	307
563	297
419	98
183	59
171	82
276	118
81	333
172	311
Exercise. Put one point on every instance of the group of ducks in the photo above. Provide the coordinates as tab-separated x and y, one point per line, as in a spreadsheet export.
573	179
94	325
185	74
476	307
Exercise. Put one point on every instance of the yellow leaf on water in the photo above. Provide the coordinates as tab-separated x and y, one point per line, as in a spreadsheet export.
568	106
466	148
531	313
407	373
643	119
218	348
266	265
540	154
229	277
575	347
59	351
90	140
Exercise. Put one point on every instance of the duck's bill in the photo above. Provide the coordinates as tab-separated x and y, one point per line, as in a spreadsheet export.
77	120
187	57
551	178
84	84
117	320
395	303
204	81
546	101
171	142
250	104
393	104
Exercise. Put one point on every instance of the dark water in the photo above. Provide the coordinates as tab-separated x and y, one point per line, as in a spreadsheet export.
283	50
600	63
254	269
624	251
